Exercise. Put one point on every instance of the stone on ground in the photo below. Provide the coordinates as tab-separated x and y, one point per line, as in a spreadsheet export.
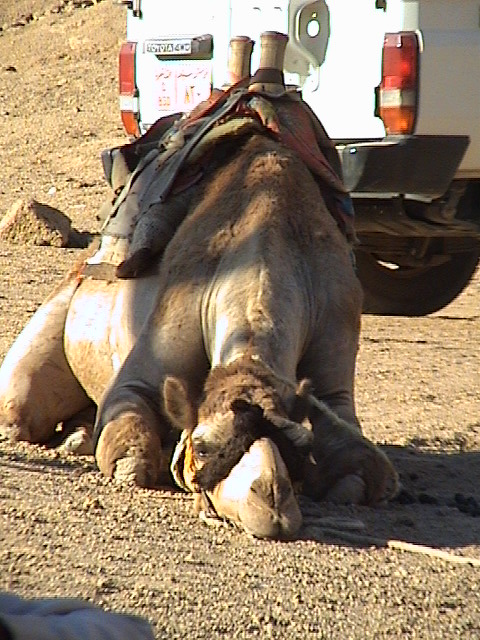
29	222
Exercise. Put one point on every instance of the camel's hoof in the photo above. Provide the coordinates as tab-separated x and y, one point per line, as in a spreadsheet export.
130	452
393	487
350	489
357	473
131	471
372	479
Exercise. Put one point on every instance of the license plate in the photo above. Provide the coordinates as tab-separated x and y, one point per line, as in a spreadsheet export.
181	85
174	47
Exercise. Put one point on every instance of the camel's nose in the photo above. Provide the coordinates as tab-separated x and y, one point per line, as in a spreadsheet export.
271	492
270	509
258	494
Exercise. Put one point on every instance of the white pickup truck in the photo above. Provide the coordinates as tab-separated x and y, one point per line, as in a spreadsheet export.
396	84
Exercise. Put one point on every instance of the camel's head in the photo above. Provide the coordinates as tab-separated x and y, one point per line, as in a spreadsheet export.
237	455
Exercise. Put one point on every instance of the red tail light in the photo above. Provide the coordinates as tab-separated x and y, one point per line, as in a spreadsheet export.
398	91
128	89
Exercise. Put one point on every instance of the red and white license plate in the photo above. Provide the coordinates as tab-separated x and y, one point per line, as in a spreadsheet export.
181	85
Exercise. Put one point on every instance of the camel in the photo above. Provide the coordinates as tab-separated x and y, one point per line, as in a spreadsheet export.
242	335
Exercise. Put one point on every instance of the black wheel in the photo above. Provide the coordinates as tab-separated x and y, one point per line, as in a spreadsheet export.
413	291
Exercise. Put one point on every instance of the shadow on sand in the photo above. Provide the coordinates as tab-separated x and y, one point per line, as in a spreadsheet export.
438	506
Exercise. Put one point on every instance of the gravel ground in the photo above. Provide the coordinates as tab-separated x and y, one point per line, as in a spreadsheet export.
66	530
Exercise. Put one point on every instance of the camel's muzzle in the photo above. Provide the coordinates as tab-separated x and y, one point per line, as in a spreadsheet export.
257	495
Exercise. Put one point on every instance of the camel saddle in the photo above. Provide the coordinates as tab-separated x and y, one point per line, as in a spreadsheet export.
172	155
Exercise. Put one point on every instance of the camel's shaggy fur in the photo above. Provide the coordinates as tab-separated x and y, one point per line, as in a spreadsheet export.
259	402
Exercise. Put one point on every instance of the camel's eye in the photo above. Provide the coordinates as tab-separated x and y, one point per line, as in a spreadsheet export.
201	450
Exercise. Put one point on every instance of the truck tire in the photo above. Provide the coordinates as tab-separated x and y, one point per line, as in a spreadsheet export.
407	291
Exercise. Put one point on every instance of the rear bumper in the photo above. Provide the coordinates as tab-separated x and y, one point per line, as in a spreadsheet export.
419	165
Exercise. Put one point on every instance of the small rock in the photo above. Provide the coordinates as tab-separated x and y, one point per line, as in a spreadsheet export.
79	443
91	503
405	497
467	504
426	498
405	521
33	223
105	584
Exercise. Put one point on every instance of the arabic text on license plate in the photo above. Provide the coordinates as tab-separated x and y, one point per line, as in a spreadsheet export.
181	86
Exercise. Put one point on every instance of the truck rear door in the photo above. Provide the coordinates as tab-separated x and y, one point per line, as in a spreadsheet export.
450	74
173	57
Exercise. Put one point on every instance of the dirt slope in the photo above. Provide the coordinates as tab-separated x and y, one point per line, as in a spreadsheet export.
65	530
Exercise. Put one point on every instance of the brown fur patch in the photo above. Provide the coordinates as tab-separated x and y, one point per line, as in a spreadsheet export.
244	378
251	391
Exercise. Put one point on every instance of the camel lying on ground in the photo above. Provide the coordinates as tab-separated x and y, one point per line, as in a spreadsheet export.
243	335
256	287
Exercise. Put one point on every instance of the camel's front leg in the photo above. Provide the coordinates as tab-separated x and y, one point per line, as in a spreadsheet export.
345	466
134	439
130	437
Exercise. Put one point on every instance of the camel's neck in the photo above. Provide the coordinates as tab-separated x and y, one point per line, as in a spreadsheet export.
244	315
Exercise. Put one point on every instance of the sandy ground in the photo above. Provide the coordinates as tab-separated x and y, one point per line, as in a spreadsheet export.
65	530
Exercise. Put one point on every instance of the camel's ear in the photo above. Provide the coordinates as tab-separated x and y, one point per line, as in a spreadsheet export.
178	406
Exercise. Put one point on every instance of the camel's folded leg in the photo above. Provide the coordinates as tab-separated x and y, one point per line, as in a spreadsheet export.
133	436
345	467
37	387
129	439
130	450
